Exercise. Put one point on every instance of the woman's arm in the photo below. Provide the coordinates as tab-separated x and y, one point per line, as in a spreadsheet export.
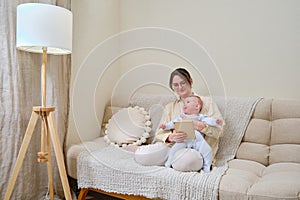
211	109
162	135
171	110
212	131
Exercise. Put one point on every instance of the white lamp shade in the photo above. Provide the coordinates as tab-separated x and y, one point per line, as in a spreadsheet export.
43	25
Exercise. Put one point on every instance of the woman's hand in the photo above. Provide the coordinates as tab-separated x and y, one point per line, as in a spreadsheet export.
177	137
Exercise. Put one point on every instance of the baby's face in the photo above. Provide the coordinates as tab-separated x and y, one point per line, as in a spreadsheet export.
191	105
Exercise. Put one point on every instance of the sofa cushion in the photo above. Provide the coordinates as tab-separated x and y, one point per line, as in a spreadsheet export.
253	151
108	113
128	126
187	160
239	177
281	181
152	154
267	163
258	131
263	110
283	109
74	151
255	145
154	105
272	135
246	179
284	153
285	131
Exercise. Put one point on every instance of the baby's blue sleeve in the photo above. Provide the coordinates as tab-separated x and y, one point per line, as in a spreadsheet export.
170	125
208	120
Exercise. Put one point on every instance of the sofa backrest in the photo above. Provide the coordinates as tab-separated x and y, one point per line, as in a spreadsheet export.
273	133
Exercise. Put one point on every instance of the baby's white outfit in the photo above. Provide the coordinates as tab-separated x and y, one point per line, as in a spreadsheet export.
199	144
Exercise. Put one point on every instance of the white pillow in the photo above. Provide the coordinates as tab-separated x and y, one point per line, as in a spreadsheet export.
152	154
154	104
187	160
128	126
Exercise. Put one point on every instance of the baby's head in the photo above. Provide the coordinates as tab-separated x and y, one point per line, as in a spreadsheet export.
192	105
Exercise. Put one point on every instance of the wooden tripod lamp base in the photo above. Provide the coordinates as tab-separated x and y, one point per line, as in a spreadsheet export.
51	134
43	28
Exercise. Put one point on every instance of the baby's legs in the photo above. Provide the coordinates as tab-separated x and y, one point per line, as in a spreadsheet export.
207	160
174	148
206	152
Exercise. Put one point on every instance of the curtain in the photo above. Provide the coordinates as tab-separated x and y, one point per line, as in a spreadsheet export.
20	90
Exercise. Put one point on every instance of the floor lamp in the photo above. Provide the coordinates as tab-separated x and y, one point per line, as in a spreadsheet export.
46	29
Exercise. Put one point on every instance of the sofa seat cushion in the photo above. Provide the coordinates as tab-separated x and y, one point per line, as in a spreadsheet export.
246	179
73	151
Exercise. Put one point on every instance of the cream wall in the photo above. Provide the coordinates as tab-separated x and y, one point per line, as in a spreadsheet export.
254	45
93	22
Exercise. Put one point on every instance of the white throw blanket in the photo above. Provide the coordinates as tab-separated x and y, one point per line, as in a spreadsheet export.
114	170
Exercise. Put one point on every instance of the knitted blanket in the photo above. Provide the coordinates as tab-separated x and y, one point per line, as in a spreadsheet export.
114	170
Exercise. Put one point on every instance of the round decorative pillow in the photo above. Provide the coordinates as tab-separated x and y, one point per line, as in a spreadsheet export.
187	160
152	154
128	126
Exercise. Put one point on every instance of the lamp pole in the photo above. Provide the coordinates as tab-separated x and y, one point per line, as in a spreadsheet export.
44	76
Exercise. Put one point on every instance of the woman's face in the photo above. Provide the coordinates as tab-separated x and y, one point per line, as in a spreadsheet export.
181	87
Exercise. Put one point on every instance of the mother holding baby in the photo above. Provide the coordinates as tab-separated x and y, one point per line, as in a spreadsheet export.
181	83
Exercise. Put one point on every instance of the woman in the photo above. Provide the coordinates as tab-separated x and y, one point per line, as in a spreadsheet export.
181	83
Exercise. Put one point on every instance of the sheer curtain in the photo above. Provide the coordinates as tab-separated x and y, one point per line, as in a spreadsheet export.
20	90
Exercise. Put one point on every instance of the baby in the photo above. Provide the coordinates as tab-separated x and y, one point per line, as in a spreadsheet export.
191	109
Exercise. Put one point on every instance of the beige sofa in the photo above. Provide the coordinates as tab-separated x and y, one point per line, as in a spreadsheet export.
267	162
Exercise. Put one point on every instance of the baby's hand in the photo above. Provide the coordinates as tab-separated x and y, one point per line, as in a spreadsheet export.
183	116
219	121
162	126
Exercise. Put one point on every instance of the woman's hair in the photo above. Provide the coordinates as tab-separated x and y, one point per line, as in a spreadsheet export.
183	73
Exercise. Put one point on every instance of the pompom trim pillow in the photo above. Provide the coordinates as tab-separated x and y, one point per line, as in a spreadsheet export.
129	126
